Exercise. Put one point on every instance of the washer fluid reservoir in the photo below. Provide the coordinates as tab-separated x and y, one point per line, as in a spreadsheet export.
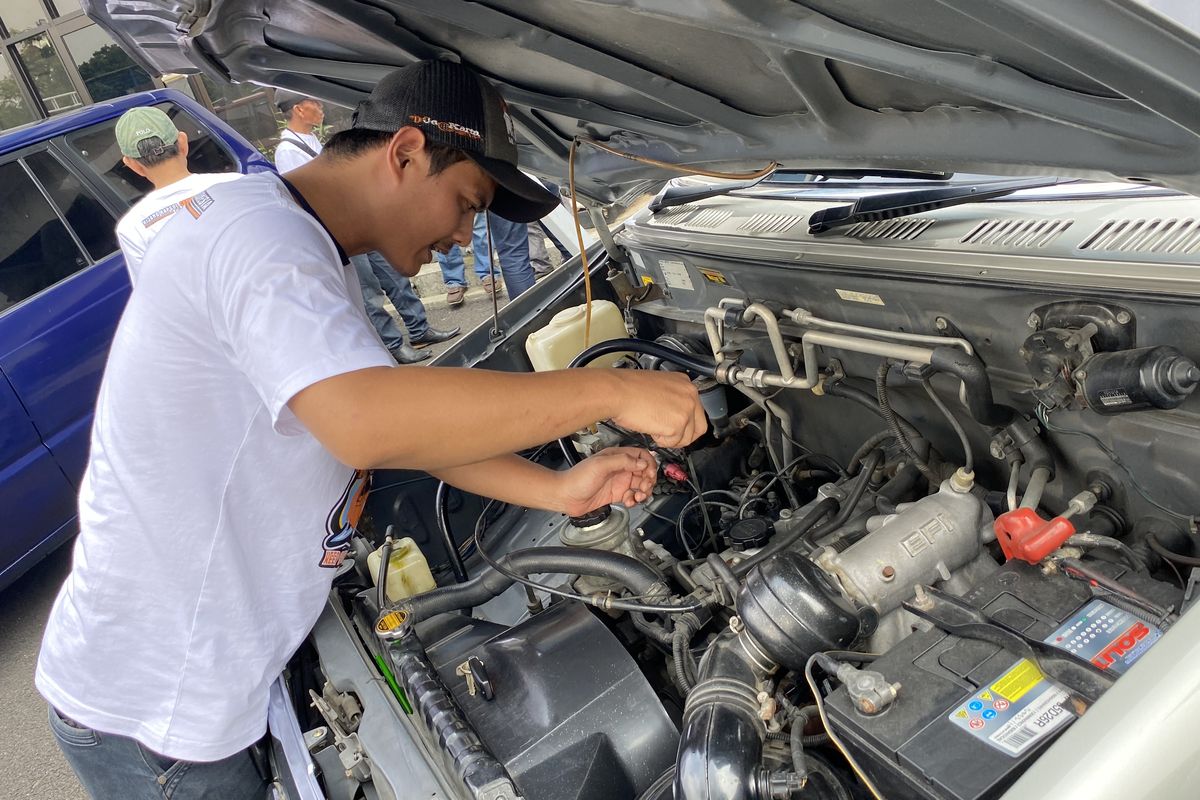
553	346
408	571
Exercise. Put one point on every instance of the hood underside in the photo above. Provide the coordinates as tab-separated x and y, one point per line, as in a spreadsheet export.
1088	88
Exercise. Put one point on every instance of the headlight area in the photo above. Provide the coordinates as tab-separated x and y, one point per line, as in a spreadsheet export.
910	613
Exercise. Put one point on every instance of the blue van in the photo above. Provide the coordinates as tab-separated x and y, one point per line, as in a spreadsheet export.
63	285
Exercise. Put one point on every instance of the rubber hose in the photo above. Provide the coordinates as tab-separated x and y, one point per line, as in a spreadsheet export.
870	444
1170	555
856	493
652	629
724	574
623	569
973	374
889	416
868	401
443	523
796	745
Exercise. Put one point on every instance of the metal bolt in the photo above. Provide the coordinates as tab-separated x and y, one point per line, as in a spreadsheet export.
1033	321
1123	317
888	572
1080	374
997	450
735	624
941	323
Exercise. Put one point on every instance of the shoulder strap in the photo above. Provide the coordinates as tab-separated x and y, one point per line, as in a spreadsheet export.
297	142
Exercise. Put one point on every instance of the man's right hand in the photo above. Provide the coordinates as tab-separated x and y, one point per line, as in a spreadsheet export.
664	405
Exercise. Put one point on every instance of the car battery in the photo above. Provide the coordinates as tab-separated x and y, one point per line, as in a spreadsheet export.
969	716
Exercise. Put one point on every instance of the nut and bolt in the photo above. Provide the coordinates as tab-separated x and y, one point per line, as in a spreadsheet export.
1124	317
735	624
997	450
941	323
1080	374
1033	321
888	572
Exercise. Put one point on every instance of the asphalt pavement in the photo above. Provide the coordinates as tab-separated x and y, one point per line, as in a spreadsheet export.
31	766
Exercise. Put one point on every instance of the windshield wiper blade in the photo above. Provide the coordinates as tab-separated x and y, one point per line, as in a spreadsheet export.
902	204
681	195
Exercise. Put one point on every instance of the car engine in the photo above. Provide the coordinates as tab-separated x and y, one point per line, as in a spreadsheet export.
931	525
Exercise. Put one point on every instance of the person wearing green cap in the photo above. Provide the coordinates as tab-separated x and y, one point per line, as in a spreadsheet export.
153	148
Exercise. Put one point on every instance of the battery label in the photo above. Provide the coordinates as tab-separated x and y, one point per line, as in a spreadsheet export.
1109	637
1020	708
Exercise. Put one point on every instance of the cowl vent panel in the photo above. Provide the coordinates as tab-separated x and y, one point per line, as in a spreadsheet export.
1158	235
899	229
770	223
708	218
1012	233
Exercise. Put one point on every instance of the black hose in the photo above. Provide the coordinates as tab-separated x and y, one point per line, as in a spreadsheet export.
873	443
889	416
653	630
722	571
856	493
854	394
796	745
782	542
968	456
1089	540
625	570
443	523
1170	555
384	562
973	374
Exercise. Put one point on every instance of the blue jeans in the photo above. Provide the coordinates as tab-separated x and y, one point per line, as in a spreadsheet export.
378	280
511	241
112	767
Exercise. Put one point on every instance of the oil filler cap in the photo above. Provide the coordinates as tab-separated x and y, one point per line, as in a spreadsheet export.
746	534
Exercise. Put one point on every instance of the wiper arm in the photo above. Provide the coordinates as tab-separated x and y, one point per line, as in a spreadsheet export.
902	204
681	195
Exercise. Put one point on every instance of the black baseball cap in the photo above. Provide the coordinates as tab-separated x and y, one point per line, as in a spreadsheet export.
455	106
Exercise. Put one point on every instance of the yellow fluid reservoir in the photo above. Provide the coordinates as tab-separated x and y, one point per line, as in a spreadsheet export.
553	346
408	571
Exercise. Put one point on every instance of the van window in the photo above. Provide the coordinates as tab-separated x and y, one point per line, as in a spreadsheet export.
98	145
36	250
90	220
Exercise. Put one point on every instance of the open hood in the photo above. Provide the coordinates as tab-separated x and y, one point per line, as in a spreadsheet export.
1089	88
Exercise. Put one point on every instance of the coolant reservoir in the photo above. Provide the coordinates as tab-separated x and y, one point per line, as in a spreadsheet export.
553	346
408	571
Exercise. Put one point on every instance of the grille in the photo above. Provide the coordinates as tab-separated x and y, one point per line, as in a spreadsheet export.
1017	232
900	229
770	223
708	218
1146	236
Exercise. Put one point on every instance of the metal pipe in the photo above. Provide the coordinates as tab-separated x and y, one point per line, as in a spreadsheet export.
1036	488
775	335
769	406
803	317
1014	476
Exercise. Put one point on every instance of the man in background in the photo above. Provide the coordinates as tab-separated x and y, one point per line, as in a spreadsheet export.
380	282
153	148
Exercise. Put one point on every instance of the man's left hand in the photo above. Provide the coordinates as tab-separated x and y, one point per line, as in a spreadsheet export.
616	475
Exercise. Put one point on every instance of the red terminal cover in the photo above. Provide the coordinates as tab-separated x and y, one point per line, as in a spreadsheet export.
674	472
1025	536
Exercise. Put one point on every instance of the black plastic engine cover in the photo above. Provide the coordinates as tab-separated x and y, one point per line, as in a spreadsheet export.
914	749
572	717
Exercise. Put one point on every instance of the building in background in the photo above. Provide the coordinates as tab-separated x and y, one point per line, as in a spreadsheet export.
54	59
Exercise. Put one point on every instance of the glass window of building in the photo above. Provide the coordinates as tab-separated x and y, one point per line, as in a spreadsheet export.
14	110
23	15
47	74
64	7
106	70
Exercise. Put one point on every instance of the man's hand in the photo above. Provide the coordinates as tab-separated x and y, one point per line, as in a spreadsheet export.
616	475
664	405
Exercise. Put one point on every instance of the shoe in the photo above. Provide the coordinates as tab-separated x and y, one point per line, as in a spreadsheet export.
455	295
404	354
433	336
489	285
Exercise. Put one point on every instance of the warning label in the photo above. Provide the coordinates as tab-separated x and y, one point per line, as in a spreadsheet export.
1016	711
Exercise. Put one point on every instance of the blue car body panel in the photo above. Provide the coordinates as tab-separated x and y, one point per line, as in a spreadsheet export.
53	348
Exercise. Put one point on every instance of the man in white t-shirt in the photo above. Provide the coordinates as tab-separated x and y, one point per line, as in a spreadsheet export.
297	143
152	147
245	397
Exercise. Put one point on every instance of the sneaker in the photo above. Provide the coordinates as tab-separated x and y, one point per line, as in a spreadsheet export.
407	355
489	285
433	336
455	295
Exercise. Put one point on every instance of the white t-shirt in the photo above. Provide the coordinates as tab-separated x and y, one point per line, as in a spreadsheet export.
288	156
147	216
210	519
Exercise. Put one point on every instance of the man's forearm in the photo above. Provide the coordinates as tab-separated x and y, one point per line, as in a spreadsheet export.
368	418
508	478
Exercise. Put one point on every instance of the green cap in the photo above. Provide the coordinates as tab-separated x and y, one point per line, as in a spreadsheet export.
144	122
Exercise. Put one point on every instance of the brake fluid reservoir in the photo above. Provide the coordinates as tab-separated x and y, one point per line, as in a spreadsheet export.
553	346
408	571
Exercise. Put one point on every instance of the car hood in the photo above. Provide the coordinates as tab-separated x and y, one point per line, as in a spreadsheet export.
1091	88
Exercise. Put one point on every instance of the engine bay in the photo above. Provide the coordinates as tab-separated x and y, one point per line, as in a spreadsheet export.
932	524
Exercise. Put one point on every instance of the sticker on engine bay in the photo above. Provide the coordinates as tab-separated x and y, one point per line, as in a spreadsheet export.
1109	637
675	275
860	297
713	276
1016	711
